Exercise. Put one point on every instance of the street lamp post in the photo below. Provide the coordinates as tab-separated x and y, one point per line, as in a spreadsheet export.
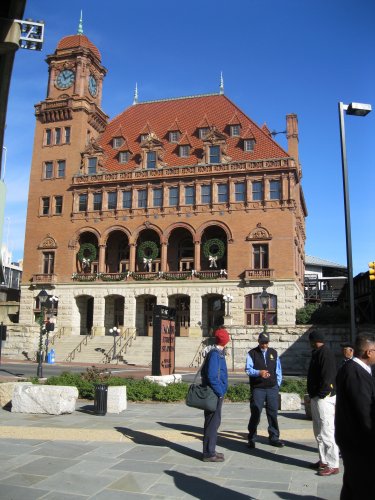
114	331
42	296
264	297
52	299
356	109
228	299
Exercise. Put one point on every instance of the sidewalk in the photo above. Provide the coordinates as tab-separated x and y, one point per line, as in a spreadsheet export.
154	451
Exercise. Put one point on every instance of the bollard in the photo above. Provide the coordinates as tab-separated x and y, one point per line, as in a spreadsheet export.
100	402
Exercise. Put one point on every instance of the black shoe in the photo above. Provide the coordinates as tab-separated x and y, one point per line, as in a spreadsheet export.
251	444
277	443
215	458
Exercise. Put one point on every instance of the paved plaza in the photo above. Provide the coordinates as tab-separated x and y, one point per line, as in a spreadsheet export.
153	450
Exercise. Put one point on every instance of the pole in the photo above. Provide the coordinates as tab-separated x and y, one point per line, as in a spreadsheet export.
39	372
342	108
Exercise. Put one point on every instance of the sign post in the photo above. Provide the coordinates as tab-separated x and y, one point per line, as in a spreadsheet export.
163	341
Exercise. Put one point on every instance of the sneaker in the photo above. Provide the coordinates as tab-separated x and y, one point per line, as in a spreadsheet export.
251	444
318	465
215	458
277	443
220	455
328	471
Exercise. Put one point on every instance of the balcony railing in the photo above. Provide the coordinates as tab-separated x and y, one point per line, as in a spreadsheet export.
151	276
255	274
44	278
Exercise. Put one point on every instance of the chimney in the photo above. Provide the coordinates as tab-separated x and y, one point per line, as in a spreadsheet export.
292	135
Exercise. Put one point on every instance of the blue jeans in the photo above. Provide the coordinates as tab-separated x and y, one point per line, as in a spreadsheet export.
259	396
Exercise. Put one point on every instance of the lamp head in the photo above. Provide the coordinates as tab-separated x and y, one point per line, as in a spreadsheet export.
264	296
43	296
358	109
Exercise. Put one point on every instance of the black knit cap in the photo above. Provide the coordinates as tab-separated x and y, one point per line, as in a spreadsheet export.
316	336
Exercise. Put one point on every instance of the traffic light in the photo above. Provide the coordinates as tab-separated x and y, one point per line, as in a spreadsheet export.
371	270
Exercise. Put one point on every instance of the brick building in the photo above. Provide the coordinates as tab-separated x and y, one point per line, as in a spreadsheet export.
180	202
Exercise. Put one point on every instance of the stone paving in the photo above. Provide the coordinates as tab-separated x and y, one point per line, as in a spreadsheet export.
153	450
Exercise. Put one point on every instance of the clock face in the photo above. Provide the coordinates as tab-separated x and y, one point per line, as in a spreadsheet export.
65	79
93	86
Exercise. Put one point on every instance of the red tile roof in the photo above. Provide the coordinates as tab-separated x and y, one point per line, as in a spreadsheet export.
189	112
75	41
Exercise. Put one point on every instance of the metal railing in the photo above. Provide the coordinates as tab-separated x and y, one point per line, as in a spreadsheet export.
130	335
60	333
197	359
83	342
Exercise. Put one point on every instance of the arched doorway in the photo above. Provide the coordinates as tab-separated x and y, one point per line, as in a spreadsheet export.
212	313
114	312
144	314
85	305
88	253
182	305
214	244
117	253
180	250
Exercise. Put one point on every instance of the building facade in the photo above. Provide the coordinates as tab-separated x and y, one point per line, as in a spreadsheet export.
183	202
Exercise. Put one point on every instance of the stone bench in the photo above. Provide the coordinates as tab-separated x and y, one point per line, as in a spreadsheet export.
289	401
6	392
164	380
116	399
50	399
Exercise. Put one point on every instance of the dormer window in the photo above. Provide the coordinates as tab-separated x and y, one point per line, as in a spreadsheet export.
92	164
235	130
174	136
124	156
118	142
184	151
214	154
144	137
248	145
203	132
151	159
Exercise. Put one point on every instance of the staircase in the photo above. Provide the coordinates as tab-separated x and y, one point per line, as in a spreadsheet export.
92	352
138	353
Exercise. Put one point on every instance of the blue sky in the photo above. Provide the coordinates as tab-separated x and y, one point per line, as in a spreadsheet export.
277	57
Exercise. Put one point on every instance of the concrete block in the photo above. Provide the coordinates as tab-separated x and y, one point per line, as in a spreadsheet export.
50	399
289	401
6	392
116	399
164	380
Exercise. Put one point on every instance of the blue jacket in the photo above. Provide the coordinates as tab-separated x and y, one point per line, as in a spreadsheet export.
214	372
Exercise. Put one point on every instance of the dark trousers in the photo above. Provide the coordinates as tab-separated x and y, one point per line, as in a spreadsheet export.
259	396
212	422
359	469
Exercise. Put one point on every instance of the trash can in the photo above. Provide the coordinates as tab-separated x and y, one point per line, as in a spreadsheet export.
100	401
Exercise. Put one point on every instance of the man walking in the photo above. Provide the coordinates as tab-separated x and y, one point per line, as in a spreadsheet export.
264	369
355	420
321	387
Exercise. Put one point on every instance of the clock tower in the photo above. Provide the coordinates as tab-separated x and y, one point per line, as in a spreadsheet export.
68	122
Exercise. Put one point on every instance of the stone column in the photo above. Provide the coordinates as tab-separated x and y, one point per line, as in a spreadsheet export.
163	257
132	257
102	268
195	329
98	318
197	255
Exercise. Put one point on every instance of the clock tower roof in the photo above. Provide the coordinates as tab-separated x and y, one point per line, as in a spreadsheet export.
76	41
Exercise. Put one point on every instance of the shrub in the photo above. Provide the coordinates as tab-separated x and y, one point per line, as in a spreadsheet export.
321	315
297	385
239	392
303	315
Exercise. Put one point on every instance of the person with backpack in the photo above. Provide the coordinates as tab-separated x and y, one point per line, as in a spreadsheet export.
265	375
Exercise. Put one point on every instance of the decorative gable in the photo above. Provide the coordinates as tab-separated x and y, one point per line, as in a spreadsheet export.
260	233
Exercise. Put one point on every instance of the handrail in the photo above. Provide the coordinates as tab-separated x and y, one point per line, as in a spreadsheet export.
125	335
197	359
60	333
84	341
128	342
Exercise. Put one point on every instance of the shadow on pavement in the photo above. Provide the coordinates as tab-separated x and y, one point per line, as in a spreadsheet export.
228	441
12	373
200	488
143	438
294	416
294	496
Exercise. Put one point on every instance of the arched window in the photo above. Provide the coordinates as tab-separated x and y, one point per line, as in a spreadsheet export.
254	312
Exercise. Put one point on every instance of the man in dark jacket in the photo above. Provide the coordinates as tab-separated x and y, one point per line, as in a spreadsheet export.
321	387
264	369
355	420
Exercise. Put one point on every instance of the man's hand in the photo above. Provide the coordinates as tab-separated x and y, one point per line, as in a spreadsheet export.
264	373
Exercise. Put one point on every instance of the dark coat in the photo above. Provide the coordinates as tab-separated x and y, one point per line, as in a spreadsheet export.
215	373
259	364
355	409
322	373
